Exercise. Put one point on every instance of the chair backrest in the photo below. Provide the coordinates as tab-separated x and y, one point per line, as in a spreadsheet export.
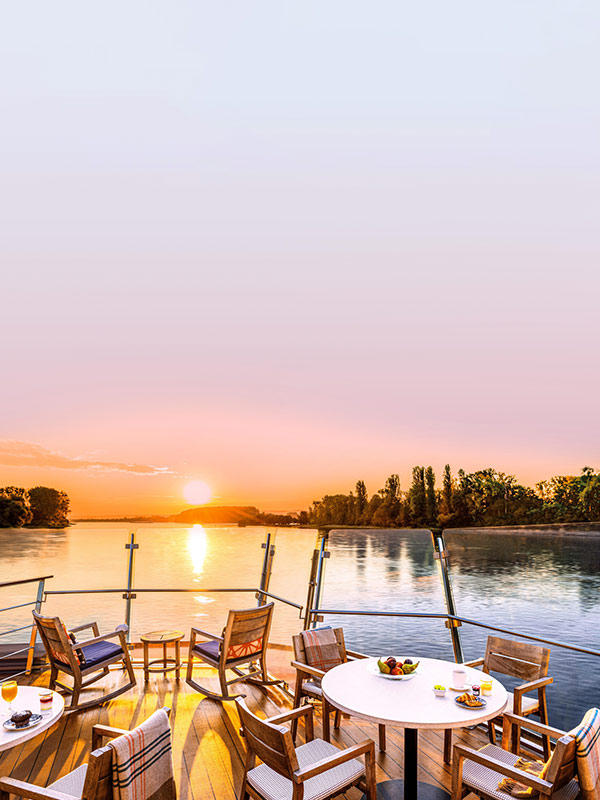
98	777
272	744
300	649
56	640
562	765
247	631
517	659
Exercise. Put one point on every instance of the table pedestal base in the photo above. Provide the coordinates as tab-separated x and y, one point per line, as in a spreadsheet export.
394	790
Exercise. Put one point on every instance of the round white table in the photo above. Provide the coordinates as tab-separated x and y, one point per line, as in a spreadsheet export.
28	698
355	688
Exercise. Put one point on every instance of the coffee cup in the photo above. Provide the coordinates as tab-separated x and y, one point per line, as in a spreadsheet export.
459	677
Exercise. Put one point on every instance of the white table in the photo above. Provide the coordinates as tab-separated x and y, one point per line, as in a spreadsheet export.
410	704
28	698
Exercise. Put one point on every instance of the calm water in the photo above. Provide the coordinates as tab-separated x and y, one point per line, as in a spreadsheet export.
539	584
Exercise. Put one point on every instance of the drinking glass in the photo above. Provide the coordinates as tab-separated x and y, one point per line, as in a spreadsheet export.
9	691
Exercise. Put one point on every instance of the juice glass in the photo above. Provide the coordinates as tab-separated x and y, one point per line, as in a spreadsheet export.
9	691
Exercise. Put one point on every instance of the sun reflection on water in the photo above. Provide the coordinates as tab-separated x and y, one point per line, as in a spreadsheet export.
197	548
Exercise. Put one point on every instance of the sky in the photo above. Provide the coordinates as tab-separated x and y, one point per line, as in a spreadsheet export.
281	246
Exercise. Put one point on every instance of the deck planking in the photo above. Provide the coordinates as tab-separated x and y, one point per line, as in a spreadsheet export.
208	752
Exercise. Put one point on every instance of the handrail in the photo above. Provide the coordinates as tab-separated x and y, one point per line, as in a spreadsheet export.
465	620
25	580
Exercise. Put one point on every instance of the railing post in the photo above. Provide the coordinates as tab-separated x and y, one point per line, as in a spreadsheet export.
315	581
129	595
441	554
32	639
265	576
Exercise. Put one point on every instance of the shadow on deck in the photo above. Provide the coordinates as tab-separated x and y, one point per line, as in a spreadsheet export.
207	748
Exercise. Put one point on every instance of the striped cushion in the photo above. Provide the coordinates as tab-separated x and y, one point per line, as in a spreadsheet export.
273	786
312	687
482	779
587	736
72	783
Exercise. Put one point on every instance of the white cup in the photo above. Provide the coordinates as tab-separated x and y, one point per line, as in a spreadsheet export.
458	678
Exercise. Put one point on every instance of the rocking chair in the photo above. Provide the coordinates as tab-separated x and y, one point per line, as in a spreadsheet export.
79	659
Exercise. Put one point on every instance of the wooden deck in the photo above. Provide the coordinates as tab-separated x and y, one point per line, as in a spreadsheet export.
208	751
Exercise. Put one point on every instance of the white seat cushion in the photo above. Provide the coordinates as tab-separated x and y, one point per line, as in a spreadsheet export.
273	786
310	687
479	778
528	702
72	783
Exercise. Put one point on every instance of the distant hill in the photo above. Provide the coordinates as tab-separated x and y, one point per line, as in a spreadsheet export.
207	514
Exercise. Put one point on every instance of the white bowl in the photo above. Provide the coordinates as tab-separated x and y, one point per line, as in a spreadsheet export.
439	692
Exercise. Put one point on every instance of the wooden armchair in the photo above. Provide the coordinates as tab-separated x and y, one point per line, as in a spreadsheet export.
244	640
317	769
92	781
308	684
480	771
79	659
529	662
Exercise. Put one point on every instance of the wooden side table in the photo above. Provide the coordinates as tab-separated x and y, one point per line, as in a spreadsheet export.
162	664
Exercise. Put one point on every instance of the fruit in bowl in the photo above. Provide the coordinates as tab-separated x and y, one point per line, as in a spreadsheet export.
439	690
393	666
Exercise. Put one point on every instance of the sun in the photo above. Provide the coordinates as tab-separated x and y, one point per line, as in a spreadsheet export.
197	493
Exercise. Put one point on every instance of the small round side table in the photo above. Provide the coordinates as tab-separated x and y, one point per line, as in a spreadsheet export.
162	664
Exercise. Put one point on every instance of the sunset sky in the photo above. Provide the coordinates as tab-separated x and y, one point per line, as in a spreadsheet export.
280	246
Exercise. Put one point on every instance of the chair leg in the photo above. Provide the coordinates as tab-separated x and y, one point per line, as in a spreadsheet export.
337	719
491	732
297	702
75	695
326	712
543	715
381	738
53	677
447	745
223	682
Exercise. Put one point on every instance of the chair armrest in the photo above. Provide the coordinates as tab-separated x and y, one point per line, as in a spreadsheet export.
92	625
29	790
295	713
101	732
526	722
200	632
532	685
103	638
366	748
316	673
477	663
354	655
461	752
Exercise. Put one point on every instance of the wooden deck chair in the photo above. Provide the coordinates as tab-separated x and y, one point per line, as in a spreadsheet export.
244	640
316	769
91	781
480	771
529	662
82	658
308	683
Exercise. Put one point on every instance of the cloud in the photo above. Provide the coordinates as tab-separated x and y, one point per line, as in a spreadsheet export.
25	454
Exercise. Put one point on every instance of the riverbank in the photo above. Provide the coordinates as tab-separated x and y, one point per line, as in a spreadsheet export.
583	529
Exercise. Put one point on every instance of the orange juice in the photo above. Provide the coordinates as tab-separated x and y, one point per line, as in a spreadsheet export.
9	691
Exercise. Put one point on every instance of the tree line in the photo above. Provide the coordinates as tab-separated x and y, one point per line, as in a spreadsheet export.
39	507
482	498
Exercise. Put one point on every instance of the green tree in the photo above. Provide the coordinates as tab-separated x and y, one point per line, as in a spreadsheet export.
430	497
447	505
50	507
361	501
15	509
416	497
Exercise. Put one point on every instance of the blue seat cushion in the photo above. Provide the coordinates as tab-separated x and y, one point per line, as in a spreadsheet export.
210	650
97	653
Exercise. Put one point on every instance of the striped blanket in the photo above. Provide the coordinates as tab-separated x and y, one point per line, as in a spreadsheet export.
322	650
587	735
142	765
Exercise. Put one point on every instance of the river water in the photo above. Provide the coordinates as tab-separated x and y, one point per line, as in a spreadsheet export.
540	584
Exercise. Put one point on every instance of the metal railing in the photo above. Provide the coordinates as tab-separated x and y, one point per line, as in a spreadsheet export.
37	604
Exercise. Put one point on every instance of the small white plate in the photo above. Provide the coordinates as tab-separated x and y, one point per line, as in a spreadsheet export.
34	720
374	669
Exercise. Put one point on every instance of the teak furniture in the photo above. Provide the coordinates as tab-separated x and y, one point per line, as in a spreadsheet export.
480	771
166	663
92	781
308	684
244	641
79	659
357	688
529	663
316	769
